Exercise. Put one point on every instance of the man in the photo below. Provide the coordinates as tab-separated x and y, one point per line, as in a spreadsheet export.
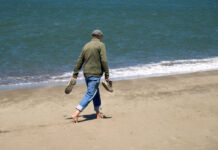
94	61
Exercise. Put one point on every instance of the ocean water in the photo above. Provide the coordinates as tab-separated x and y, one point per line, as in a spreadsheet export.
40	40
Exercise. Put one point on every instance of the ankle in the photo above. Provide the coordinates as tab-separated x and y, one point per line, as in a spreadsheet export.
99	115
98	112
76	113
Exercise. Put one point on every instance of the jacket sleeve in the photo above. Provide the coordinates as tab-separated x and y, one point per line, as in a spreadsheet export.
78	65
104	62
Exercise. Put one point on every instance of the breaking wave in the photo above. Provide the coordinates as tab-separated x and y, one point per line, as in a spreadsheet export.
162	68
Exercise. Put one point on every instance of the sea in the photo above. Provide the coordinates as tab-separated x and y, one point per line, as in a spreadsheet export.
40	40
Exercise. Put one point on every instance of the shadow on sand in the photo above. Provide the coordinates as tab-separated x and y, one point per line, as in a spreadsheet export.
89	117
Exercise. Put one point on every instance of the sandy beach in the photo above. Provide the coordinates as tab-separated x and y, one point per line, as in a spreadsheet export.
178	112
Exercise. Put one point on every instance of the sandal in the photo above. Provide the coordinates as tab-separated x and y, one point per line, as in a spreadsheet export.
107	85
70	85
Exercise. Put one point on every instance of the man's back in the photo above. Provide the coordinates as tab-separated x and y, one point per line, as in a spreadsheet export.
94	58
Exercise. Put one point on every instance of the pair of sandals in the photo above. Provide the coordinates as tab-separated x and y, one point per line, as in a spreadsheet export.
106	84
70	86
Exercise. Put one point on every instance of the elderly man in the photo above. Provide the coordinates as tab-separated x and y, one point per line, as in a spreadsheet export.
94	61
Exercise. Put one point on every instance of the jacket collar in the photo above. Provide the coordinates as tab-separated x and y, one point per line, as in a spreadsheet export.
95	39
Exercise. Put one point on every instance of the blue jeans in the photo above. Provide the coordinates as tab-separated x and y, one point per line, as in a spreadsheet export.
92	93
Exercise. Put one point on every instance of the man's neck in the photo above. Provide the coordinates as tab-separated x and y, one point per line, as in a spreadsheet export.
95	38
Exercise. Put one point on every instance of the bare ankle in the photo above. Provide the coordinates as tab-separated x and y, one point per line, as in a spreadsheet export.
75	116
99	115
75	119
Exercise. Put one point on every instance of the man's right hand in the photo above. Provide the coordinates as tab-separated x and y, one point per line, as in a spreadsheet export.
107	79
73	78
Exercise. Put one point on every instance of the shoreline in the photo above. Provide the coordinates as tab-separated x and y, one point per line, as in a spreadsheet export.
177	112
63	83
152	69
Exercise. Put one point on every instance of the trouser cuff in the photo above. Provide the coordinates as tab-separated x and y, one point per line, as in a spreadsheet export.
98	108
79	107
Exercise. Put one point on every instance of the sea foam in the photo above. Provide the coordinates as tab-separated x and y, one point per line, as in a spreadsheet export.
162	68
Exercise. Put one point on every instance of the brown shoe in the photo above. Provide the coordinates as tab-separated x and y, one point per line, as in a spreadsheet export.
107	85
70	85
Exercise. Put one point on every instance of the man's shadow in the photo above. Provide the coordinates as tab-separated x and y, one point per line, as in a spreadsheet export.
90	117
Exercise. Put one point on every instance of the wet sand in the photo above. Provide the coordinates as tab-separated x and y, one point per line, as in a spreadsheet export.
160	113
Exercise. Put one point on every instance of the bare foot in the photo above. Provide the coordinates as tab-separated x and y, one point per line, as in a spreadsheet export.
75	116
75	119
99	115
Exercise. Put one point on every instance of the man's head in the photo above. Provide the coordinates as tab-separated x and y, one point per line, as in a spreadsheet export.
98	34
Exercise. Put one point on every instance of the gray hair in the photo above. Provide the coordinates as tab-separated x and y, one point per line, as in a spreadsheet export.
97	33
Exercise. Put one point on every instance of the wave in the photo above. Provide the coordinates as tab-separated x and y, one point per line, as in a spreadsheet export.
162	68
166	68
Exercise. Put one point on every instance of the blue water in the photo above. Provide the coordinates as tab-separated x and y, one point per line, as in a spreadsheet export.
40	40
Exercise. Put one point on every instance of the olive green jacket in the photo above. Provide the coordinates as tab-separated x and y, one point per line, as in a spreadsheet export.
94	58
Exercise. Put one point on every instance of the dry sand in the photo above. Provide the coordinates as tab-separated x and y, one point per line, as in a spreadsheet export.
178	112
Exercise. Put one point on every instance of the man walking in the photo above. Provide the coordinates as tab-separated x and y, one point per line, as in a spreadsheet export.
94	61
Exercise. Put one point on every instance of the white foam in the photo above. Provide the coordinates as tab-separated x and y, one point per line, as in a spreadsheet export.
154	69
166	68
162	68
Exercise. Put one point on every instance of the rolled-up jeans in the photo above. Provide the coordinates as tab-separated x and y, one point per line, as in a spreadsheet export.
92	93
